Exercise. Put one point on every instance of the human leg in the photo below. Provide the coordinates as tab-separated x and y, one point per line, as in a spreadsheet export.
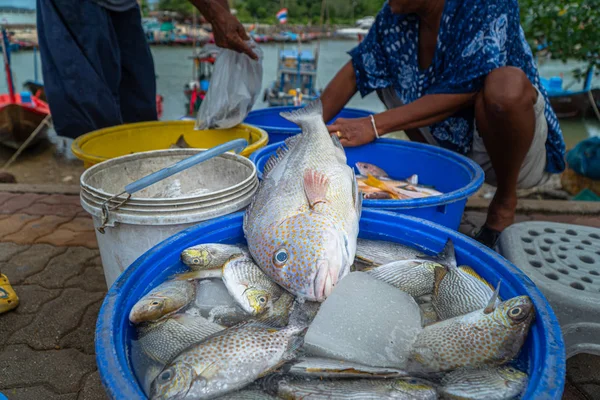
79	65
137	89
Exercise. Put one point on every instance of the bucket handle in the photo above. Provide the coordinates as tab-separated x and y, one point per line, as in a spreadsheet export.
237	145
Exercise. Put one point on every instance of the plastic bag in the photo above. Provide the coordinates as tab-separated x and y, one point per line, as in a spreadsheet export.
234	87
585	158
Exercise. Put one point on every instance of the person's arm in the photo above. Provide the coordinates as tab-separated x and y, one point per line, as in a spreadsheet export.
228	31
339	92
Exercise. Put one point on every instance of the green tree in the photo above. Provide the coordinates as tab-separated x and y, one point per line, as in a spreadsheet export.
183	7
570	30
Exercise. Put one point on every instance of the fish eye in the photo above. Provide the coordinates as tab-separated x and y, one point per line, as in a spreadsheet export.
515	312
196	261
155	303
165	376
280	257
262	299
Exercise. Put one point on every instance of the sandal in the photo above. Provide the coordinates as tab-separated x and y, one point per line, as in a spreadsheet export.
487	236
8	297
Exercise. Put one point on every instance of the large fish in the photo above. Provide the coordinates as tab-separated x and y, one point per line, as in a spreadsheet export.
486	337
226	362
302	224
491	383
364	389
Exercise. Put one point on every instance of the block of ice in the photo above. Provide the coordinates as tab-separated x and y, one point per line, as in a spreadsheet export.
212	293
366	321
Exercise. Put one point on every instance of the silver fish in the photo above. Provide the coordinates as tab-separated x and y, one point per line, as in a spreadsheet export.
302	224
166	338
459	291
210	255
373	253
248	394
168	297
487	337
367	389
491	383
227	361
228	316
415	277
366	169
316	367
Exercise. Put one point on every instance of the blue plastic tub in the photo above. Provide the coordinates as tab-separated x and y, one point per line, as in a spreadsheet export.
543	354
456	176
280	128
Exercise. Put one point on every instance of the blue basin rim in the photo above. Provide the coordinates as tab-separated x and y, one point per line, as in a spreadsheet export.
471	166
546	380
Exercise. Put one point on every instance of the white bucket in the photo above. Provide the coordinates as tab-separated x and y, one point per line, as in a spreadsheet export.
228	182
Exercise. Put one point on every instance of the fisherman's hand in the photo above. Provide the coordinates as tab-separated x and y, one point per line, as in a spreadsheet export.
229	33
353	132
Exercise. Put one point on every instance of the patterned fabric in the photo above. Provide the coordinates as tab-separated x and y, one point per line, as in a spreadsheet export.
475	38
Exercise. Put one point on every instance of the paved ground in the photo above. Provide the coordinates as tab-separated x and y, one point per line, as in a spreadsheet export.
49	252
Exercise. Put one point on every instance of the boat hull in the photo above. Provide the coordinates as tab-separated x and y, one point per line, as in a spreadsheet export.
576	105
17	122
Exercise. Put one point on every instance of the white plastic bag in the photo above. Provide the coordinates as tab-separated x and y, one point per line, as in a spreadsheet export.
234	87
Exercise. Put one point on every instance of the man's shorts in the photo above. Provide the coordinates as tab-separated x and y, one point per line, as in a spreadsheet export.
533	170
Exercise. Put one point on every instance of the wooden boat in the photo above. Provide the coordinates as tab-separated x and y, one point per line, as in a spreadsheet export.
20	114
297	71
573	103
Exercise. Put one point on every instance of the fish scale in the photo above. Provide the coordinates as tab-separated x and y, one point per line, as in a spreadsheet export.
318	239
415	277
492	383
226	362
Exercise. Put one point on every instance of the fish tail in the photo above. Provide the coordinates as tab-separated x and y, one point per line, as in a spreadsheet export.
306	114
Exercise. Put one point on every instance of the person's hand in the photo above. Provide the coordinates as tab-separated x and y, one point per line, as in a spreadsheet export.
230	34
353	132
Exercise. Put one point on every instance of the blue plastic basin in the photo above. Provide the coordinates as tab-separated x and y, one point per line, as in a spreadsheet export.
280	128
456	176
543	355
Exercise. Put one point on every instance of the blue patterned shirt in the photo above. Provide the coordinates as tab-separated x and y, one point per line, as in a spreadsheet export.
475	37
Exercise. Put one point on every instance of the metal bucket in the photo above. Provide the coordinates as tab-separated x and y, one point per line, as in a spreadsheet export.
216	187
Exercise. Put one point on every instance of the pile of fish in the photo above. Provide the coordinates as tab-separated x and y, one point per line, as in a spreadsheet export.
306	310
375	183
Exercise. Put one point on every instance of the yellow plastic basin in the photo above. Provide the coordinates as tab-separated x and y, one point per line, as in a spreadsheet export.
101	145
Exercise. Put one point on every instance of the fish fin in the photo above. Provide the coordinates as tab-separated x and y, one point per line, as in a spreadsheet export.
446	257
202	274
439	273
492	304
413	179
376	183
315	187
307	113
337	143
470	271
356	195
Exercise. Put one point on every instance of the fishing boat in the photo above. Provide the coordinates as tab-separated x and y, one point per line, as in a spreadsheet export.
297	72
195	91
568	103
22	113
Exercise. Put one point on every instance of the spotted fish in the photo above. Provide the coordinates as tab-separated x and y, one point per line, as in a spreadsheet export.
166	298
486	337
227	361
491	383
302	224
459	291
210	255
364	389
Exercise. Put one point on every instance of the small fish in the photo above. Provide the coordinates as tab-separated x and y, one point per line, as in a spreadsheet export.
228	316
414	276
8	297
491	383
486	337
168	297
459	291
210	255
367	389
373	253
302	224
383	186
378	196
164	339
370	169
227	361
315	367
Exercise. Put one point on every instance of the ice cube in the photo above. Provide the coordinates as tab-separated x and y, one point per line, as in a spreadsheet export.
366	321
212	293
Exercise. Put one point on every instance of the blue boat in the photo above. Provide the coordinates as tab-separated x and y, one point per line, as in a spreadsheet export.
568	103
297	72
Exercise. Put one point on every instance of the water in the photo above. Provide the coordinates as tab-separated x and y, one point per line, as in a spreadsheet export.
174	70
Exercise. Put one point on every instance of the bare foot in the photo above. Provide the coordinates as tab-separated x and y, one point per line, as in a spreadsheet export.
501	213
